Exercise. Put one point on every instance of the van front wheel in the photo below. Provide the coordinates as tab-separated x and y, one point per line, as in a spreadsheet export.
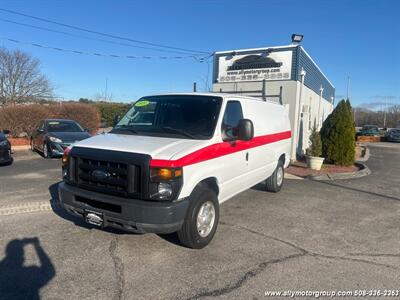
201	219
275	181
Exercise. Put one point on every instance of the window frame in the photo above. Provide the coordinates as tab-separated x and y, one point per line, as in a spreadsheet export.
224	136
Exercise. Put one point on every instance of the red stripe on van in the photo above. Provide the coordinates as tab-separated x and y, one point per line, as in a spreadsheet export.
220	149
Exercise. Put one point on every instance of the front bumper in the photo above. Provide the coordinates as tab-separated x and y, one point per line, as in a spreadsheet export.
57	149
5	155
124	213
393	138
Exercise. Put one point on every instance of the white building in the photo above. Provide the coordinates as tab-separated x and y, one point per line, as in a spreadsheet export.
286	74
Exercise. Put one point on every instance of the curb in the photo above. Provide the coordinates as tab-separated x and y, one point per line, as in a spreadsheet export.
21	148
364	171
29	207
291	176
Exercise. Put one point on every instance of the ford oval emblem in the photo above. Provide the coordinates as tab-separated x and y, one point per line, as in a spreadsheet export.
99	174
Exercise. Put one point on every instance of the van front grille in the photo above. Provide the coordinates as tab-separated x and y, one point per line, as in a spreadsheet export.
109	172
107	176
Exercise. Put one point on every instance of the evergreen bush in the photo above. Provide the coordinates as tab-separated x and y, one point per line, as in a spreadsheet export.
337	135
315	148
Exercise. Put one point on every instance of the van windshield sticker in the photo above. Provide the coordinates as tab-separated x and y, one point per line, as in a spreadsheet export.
54	123
142	103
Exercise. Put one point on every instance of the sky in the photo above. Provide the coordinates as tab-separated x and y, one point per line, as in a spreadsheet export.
356	38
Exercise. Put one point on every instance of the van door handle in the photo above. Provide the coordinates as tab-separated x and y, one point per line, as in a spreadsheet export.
247	156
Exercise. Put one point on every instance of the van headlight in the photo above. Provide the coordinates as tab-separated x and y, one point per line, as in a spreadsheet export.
164	189
165	183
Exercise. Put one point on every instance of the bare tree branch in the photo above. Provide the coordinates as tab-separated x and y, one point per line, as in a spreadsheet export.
21	80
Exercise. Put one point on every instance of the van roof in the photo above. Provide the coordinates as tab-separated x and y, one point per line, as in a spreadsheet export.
223	95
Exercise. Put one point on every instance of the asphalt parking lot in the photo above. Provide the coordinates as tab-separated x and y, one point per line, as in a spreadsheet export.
341	235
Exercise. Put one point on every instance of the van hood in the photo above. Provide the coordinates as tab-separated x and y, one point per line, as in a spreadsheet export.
156	147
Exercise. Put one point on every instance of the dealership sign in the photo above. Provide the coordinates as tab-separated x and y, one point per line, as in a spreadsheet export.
255	67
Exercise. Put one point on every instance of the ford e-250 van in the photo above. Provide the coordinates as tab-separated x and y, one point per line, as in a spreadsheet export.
171	161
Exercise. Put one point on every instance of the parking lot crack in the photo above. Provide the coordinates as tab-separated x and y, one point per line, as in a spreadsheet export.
290	244
375	254
306	252
264	265
118	269
245	277
357	260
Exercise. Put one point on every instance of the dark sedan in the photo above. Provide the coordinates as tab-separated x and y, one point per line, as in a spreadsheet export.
5	148
393	135
54	135
369	130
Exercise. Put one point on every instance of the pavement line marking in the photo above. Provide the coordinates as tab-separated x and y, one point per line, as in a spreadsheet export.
37	206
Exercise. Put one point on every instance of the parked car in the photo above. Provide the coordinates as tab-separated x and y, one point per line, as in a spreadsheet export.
393	135
5	148
54	135
170	173
369	130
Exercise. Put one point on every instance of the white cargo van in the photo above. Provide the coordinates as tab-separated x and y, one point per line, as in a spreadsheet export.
171	161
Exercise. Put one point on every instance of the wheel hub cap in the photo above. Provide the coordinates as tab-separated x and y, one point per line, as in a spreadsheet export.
279	176
206	219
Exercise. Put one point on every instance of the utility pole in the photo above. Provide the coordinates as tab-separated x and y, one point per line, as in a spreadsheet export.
355	120
106	91
348	88
321	90
384	113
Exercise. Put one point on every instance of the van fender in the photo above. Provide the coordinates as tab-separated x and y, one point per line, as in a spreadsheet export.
197	174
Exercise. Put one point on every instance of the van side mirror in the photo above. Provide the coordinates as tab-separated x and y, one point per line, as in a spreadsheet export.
245	130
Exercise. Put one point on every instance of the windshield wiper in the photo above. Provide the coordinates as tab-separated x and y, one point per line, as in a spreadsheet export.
179	131
124	128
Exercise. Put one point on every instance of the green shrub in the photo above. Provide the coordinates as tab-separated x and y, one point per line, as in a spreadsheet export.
23	119
337	135
315	148
109	111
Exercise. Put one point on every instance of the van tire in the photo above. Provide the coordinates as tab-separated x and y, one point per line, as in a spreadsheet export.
274	183
189	236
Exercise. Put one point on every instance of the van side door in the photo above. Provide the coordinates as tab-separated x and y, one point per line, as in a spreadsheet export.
267	123
234	164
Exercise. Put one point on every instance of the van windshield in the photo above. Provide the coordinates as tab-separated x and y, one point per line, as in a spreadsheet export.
183	116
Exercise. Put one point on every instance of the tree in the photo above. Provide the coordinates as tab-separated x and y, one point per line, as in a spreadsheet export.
338	135
21	79
315	148
84	100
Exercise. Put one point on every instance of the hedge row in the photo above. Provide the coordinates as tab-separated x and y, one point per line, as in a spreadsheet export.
23	119
109	111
